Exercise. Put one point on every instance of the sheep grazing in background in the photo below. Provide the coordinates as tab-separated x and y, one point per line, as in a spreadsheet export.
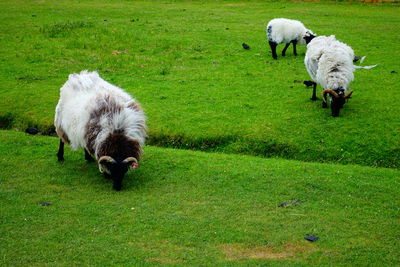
104	120
330	64
287	31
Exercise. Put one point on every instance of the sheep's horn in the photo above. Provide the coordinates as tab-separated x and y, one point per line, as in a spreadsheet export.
130	159
329	91
104	159
348	95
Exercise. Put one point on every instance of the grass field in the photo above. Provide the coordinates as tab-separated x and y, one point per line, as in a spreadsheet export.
184	62
200	89
192	208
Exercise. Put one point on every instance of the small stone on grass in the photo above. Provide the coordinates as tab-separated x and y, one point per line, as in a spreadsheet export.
311	238
32	131
246	46
45	203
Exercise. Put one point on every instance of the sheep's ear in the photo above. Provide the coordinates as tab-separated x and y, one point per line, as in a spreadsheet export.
106	160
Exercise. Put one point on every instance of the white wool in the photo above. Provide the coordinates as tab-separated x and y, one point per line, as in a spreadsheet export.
81	95
330	62
286	30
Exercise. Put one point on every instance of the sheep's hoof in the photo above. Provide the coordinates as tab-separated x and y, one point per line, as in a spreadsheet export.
314	98
60	159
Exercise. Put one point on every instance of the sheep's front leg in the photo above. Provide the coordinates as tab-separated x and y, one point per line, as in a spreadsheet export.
314	91
273	46
88	157
60	153
284	49
294	42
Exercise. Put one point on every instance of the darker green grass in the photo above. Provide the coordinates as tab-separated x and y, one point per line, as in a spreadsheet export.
200	89
63	28
192	208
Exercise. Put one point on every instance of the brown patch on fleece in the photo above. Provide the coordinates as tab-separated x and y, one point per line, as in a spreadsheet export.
134	106
64	137
106	106
117	145
239	252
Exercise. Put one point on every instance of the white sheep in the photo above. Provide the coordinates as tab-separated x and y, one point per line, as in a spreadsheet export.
287	31
330	64
104	120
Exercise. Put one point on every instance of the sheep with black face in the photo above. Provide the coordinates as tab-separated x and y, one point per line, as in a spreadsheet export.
330	64
287	31
104	120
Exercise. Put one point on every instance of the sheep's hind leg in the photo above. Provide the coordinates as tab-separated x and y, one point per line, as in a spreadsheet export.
273	46
314	92
284	49
60	153
294	42
88	157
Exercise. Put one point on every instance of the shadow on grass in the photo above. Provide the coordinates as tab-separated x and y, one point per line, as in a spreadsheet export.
7	120
227	144
77	171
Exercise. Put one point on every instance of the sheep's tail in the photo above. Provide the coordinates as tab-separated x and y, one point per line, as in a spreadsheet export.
364	67
269	31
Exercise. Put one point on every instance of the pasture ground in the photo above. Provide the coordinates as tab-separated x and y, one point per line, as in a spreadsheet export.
192	208
201	90
185	64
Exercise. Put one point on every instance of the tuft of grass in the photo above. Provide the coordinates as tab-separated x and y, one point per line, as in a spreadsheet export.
192	208
63	28
7	120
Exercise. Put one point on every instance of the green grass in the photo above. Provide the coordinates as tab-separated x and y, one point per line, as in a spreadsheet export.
184	62
201	90
192	208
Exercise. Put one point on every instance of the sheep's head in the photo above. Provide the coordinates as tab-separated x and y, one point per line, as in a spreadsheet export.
116	168
309	36
338	99
116	154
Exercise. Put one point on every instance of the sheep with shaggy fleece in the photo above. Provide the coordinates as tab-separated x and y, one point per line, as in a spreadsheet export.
329	63
104	120
287	31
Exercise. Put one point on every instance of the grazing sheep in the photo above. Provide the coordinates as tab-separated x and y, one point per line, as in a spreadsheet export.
287	31
330	64
104	120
